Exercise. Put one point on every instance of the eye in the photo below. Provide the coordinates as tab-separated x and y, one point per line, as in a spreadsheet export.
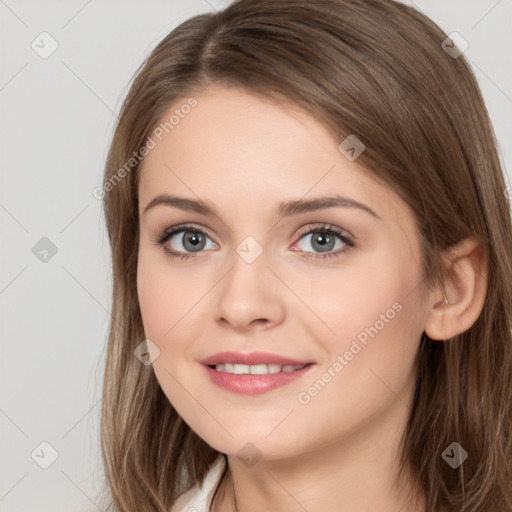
184	241
324	239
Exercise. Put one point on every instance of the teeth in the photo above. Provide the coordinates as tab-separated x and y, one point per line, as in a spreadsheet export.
291	368
256	369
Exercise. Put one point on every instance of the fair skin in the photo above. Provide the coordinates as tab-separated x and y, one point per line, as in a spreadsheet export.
244	156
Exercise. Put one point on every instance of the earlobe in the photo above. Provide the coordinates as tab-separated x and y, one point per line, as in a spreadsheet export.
456	304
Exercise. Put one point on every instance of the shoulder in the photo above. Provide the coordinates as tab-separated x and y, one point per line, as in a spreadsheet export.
198	499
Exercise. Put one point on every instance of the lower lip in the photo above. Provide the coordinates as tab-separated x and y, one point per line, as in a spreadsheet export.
254	384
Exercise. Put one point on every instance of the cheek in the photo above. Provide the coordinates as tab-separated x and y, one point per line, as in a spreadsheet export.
155	304
367	313
173	317
369	367
344	300
166	300
166	295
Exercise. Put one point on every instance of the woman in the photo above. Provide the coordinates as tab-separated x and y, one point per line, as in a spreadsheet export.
311	247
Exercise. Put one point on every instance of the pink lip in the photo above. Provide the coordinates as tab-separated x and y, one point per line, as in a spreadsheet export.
254	384
251	359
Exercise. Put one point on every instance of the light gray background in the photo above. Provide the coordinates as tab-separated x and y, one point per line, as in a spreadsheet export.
57	118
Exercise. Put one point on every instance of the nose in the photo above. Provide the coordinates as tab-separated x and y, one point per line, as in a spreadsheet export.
250	296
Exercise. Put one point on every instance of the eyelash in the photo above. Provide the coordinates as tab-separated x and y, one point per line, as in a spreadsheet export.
161	239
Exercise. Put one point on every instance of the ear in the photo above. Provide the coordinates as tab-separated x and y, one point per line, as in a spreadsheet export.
465	289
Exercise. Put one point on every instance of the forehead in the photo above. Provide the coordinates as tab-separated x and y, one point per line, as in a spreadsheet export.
233	146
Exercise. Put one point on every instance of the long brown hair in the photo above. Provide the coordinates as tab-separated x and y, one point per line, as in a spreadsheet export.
377	69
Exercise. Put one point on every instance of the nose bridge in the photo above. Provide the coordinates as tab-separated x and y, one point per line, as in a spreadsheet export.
246	295
248	268
249	250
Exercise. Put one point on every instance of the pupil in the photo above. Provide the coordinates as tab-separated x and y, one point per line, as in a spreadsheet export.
193	241
324	240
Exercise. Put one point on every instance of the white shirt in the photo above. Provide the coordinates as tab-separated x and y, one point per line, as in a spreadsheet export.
198	499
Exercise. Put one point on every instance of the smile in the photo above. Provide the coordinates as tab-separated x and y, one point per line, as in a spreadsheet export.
254	379
256	369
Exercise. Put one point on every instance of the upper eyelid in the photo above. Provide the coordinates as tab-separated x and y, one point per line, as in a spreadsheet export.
186	227
327	227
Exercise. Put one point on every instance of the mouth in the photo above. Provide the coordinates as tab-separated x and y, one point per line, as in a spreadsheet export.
254	379
256	369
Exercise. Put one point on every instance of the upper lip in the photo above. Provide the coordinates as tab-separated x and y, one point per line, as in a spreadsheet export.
251	358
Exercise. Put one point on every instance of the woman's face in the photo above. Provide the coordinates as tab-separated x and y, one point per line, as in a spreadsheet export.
350	304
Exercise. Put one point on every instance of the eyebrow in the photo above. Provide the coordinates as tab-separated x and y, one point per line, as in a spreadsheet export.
285	209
